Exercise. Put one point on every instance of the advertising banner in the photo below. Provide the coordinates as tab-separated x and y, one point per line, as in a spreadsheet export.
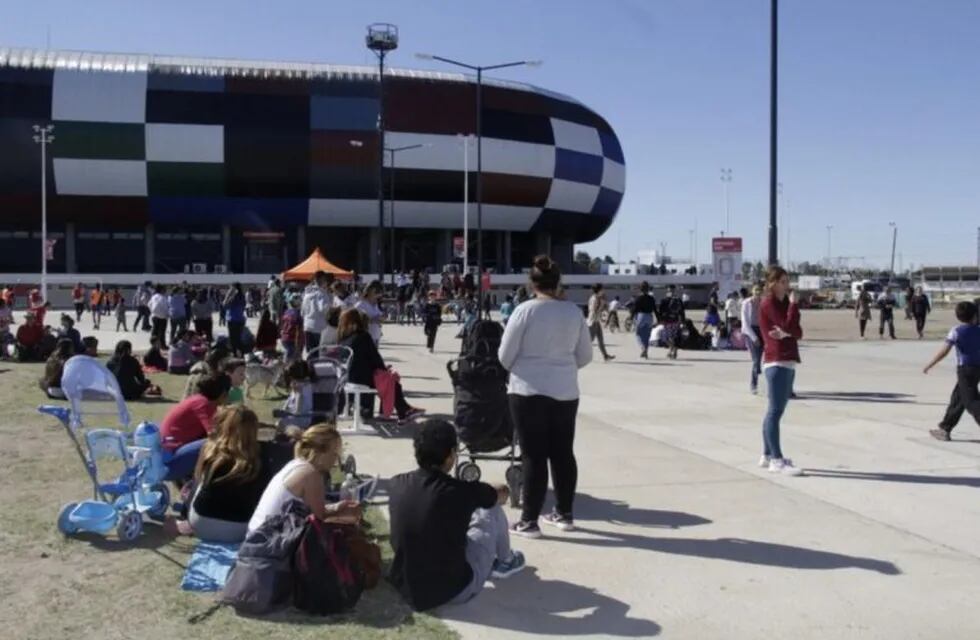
727	259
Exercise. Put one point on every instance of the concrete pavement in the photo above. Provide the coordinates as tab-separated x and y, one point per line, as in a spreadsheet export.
682	535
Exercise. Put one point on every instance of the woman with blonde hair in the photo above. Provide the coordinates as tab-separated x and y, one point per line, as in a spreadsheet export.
779	323
316	452
230	477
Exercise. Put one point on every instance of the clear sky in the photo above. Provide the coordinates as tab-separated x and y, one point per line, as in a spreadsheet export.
879	99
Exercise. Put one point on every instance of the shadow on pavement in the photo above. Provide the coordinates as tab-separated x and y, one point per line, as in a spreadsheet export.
858	396
734	550
961	481
589	508
530	604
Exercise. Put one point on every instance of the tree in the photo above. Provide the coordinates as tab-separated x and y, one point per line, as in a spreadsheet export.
596	265
758	272
609	260
746	270
583	257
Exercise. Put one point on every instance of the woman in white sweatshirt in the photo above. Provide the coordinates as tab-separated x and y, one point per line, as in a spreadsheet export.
545	343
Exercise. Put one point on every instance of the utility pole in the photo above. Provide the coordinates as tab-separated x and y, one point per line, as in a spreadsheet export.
773	102
42	136
894	240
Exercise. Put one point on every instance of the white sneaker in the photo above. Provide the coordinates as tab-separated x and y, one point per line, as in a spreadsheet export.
764	461
784	466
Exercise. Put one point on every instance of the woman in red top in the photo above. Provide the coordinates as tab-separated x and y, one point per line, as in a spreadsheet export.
779	321
186	426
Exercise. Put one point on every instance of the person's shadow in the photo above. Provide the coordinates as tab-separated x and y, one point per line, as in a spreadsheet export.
527	603
592	509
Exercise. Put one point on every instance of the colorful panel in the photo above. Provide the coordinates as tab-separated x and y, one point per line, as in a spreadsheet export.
104	140
572	196
577	166
174	81
610	146
334	148
250	213
20	158
607	202
185	178
347	114
510	125
577	137
99	96
613	175
25	95
267	163
343	182
442	152
184	143
103	210
192	107
430	107
420	215
87	177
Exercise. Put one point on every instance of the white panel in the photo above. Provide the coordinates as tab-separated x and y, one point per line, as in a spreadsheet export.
185	142
577	137
613	175
445	153
420	215
99	96
83	177
572	196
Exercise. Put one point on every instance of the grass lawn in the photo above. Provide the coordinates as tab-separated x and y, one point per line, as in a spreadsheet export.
93	586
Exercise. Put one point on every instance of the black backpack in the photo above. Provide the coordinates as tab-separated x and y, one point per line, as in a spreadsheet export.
482	340
326	580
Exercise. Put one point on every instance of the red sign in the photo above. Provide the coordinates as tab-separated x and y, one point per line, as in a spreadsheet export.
726	245
485	281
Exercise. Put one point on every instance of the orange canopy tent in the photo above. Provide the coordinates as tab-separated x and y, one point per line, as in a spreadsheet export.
316	262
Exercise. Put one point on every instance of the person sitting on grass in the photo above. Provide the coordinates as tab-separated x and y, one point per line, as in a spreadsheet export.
153	359
179	357
187	424
231	475
50	383
234	368
449	536
129	373
90	346
29	338
366	360
69	331
965	337
208	366
316	452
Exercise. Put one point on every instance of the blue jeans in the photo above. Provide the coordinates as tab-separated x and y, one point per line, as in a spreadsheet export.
182	463
488	539
780	383
755	349
644	326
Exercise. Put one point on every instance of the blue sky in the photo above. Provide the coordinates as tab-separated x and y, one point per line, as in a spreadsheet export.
879	104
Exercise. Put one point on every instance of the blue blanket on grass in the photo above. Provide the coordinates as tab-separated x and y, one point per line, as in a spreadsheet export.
209	566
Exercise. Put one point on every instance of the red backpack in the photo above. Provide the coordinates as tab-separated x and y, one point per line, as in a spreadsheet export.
326	577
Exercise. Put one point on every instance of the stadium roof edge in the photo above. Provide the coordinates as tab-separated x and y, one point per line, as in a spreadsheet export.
29	58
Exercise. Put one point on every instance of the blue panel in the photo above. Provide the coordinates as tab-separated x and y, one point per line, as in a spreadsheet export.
184	82
343	114
607	203
577	166
610	147
249	213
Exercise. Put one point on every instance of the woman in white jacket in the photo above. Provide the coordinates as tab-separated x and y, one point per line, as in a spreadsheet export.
544	345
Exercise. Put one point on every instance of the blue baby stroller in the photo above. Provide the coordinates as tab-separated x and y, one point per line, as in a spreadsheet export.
118	504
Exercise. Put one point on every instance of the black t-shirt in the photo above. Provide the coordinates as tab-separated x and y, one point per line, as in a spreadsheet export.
430	515
234	500
644	303
672	309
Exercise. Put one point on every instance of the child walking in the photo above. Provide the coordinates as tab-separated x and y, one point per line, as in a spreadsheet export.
121	314
965	337
431	319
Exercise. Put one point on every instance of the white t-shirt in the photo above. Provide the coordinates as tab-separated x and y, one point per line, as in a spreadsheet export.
614	305
544	345
275	496
159	306
373	313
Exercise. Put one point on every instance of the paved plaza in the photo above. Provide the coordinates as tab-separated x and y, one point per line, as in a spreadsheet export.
682	535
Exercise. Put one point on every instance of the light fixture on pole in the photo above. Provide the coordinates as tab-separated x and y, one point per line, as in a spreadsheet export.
381	38
43	136
894	241
479	144
391	198
726	179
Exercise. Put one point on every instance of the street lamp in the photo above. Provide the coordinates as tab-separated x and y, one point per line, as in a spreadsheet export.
43	136
726	179
391	196
381	38
894	240
466	201
479	143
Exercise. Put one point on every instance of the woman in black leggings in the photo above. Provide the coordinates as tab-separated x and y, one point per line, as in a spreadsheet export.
544	345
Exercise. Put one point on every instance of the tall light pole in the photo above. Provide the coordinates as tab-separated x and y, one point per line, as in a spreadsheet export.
830	229
466	201
43	136
779	195
773	123
391	196
381	38
894	240
726	179
479	144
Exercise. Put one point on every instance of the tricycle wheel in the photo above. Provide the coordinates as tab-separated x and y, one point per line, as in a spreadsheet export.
163	504
468	472
130	526
64	521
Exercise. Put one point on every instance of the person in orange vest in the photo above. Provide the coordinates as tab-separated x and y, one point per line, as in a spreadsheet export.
95	302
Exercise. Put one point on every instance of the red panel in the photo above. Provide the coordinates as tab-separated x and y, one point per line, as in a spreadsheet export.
722	245
430	107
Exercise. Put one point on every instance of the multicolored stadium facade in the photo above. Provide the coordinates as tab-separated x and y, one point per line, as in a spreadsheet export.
162	162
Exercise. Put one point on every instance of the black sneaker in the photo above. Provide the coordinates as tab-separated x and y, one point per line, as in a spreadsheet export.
940	434
564	523
526	529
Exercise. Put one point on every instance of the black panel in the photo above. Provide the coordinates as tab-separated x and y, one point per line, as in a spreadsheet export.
25	101
282	112
524	127
267	163
582	226
185	107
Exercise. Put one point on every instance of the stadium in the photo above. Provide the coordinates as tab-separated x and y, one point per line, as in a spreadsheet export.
166	165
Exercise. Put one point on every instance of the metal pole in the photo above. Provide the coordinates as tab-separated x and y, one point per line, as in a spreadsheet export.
774	66
466	203
381	164
894	240
391	228
479	184
829	254
44	216
728	209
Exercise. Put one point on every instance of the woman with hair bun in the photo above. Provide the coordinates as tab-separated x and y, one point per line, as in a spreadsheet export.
545	343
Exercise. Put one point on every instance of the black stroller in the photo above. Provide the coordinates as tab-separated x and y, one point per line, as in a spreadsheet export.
482	414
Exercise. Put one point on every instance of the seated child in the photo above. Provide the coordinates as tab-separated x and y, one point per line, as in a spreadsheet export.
50	383
91	345
154	359
234	368
180	357
299	376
